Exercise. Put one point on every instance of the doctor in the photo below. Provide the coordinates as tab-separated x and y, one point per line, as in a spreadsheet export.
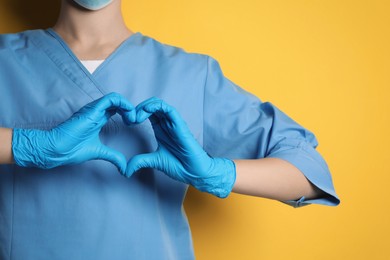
58	202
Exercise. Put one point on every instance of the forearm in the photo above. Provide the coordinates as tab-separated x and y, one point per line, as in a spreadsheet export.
6	156
274	179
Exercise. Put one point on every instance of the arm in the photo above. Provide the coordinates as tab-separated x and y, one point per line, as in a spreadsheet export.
281	160
6	156
273	178
182	158
76	140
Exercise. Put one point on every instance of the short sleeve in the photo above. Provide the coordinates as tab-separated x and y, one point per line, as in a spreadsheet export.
237	125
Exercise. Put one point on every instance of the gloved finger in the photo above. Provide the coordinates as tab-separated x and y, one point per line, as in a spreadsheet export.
113	156
142	115
173	123
102	120
107	114
169	114
140	161
113	100
128	117
155	116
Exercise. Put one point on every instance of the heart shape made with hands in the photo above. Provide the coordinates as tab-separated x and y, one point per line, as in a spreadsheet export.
178	154
77	140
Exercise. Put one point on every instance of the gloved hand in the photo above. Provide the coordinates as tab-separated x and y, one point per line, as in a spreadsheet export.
179	155
75	140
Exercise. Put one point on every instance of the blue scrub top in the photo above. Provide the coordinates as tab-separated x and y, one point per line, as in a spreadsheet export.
89	211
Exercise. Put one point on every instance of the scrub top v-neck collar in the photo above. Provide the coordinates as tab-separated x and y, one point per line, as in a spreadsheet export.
117	50
65	59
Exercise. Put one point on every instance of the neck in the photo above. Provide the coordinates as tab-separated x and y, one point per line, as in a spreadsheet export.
83	29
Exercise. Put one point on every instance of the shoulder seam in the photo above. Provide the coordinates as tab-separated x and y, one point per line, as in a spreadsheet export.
204	98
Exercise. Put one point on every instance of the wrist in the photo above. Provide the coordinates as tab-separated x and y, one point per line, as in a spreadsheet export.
25	148
6	146
221	178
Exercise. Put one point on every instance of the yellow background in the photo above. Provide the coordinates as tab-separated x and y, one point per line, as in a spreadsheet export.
324	63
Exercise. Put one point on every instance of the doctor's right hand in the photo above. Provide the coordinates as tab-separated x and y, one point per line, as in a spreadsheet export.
74	141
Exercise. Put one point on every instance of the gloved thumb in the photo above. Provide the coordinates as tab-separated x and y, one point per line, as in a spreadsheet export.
140	161
113	156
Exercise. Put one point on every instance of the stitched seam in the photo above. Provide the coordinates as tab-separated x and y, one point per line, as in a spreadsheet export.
302	146
13	210
115	53
204	99
55	61
77	61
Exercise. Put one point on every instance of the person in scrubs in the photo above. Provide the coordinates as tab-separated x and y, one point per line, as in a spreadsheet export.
110	128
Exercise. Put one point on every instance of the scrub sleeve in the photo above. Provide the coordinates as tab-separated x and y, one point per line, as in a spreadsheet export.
237	125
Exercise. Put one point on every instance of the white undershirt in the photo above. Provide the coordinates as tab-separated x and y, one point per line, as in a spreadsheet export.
91	65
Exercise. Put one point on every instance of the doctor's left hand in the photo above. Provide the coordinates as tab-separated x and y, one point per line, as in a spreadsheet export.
74	141
179	155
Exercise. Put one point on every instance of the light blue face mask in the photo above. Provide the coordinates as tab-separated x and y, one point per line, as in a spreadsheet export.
93	4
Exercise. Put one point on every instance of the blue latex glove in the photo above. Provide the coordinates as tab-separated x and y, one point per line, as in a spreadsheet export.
179	155
75	140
